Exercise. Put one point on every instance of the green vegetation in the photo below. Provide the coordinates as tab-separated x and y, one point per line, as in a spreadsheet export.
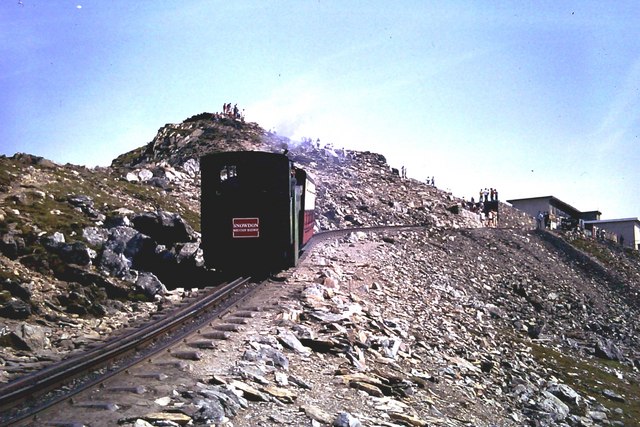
6	274
129	158
632	254
592	377
611	256
598	250
197	117
44	207
5	180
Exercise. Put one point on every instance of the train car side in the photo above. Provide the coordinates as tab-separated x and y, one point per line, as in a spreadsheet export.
306	187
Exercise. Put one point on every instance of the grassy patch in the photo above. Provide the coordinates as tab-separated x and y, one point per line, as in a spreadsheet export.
7	173
10	275
130	158
632	254
592	377
602	253
197	117
53	212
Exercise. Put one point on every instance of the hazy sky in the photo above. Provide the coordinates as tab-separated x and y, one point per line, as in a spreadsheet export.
533	98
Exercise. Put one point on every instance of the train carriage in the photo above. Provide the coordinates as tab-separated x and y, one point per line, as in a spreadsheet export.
257	211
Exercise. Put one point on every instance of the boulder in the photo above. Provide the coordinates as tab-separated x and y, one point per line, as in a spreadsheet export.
121	241
149	285
553	406
132	177
95	236
230	401
126	248
191	167
26	337
16	288
565	393
9	246
114	264
612	395
145	174
190	253
210	412
606	349
164	227
72	253
15	309
75	302
74	273
290	341
345	419
85	204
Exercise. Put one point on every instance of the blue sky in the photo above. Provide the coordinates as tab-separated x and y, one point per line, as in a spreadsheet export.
533	98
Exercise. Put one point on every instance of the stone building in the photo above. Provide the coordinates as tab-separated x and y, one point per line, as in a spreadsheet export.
557	209
627	230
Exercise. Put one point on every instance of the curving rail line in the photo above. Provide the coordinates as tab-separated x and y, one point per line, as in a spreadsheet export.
24	396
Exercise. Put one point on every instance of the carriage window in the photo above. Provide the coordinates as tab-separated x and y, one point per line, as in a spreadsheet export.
227	172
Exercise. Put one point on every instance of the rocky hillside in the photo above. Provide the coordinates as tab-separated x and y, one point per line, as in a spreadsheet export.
84	251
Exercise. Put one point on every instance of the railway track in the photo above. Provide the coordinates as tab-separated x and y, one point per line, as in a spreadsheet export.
26	400
95	386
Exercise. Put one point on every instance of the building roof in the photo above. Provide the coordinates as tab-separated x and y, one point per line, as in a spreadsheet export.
555	202
530	198
603	221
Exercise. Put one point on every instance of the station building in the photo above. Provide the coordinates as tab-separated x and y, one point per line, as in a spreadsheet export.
557	209
625	231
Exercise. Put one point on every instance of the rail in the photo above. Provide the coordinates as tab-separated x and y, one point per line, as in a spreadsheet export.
39	383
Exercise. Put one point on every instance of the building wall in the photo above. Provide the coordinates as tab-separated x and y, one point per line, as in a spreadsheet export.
590	216
629	230
533	206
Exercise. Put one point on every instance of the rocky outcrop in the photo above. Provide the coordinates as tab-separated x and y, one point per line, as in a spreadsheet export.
447	327
498	326
164	227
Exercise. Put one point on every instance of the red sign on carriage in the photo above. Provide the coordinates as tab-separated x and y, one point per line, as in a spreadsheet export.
246	228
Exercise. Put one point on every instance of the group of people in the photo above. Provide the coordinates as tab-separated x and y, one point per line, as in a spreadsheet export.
487	211
543	220
491	219
488	215
232	112
488	194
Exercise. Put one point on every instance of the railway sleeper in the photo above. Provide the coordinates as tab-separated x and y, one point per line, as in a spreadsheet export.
152	375
105	406
237	321
127	389
187	355
228	327
177	364
203	344
245	314
54	423
216	335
